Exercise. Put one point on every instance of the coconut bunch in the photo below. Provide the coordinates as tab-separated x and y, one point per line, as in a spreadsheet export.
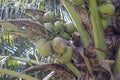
58	46
58	43
58	27
61	31
106	9
60	52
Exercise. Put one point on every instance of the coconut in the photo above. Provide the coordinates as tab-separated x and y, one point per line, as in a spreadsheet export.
105	22
103	1
65	35
70	27
43	48
59	25
67	56
59	45
49	16
106	10
49	26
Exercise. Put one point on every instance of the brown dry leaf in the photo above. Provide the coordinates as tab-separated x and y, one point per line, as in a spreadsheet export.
58	70
117	25
86	60
53	67
32	29
27	23
12	29
86	76
35	12
117	77
49	75
107	67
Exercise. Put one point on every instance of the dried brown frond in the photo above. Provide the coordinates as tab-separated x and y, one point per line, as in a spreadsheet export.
52	67
27	23
35	12
32	29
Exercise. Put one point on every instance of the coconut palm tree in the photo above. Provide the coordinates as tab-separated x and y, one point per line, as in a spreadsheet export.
89	50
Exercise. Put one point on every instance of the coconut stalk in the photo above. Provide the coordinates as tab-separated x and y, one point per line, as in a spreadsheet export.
73	69
77	21
117	65
98	34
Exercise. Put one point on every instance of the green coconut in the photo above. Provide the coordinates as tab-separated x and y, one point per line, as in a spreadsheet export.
106	10
67	56
105	22
65	35
44	48
59	25
102	1
70	27
49	26
77	2
49	16
59	45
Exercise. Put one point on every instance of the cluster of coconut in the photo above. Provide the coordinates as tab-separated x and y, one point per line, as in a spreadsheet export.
58	46
106	9
59	27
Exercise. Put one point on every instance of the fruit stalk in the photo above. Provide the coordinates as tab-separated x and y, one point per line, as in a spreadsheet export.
73	69
98	34
76	20
66	60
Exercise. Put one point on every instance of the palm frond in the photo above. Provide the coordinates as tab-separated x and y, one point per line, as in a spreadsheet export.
13	73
